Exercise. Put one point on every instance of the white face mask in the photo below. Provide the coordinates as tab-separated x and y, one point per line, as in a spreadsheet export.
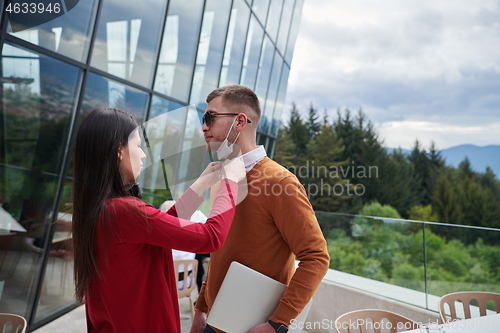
225	149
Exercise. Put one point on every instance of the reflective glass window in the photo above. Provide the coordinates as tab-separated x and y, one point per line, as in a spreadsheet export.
260	9
273	19
127	38
161	105
162	162
210	50
261	140
286	18
280	100
68	34
1	17
101	91
178	49
294	30
38	102
272	91
265	64
252	53
194	156
176	151
271	144
235	44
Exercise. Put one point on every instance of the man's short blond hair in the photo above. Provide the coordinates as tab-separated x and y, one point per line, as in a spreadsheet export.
235	95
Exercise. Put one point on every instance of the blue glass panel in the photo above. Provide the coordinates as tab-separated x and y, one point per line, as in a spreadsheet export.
265	64
210	50
235	44
273	20
101	91
160	106
271	145
153	179
286	18
261	140
38	103
194	156
1	18
272	91
294	30
178	49
280	100
176	150
260	9
68	34
252	52
127	39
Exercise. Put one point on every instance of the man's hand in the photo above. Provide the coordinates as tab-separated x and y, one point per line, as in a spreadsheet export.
263	328
199	322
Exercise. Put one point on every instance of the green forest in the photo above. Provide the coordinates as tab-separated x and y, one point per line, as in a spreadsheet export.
346	153
345	168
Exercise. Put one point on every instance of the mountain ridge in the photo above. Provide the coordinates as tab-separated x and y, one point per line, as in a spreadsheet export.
479	157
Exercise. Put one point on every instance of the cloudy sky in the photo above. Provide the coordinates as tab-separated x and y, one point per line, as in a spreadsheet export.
420	69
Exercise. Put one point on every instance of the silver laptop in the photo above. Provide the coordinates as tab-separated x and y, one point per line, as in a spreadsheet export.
247	298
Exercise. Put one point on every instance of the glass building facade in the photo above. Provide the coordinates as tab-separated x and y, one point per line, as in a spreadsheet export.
146	58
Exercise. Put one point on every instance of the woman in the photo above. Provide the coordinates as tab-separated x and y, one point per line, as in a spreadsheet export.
123	247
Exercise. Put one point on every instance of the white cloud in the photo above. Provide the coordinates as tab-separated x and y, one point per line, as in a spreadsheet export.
404	133
398	60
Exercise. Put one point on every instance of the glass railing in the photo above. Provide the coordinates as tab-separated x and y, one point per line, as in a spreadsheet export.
414	262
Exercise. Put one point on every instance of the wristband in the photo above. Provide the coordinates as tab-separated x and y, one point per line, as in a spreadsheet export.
279	328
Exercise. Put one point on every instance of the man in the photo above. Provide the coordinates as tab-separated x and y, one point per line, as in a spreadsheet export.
273	224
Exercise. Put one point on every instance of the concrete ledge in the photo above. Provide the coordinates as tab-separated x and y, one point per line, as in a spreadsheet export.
332	300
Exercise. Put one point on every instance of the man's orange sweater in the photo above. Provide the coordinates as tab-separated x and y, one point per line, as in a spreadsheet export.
272	226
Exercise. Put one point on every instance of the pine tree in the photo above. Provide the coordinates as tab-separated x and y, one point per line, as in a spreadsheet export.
285	150
465	168
325	117
435	156
312	122
488	179
445	202
436	166
479	206
421	166
326	186
344	127
399	186
299	134
367	156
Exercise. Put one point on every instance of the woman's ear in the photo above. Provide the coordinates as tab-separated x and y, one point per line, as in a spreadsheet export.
120	148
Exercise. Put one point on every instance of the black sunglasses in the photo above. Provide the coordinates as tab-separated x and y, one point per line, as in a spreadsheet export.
208	117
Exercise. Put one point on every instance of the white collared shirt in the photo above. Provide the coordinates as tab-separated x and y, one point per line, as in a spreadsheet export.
253	157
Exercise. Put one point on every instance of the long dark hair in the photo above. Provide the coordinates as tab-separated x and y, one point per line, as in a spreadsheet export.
96	179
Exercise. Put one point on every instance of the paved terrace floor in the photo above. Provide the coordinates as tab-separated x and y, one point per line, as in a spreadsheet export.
74	321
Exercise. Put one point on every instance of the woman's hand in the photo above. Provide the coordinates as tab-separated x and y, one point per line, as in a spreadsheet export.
211	175
234	170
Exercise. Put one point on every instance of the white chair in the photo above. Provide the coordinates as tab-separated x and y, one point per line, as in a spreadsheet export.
465	297
18	322
190	269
